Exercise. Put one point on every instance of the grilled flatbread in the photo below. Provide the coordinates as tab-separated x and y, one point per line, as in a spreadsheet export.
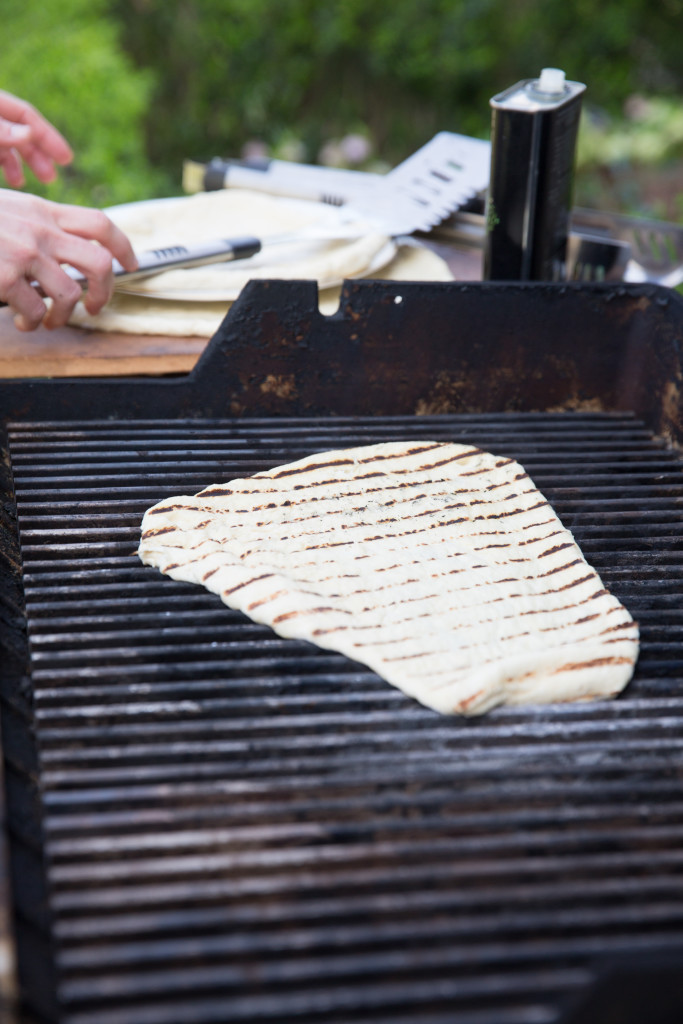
439	566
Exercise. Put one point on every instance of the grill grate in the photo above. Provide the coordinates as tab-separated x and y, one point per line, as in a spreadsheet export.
239	827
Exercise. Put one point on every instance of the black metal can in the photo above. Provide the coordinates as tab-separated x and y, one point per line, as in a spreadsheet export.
534	127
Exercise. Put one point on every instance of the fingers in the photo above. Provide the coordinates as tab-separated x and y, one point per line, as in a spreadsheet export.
44	278
94	224
37	237
26	135
27	305
84	225
94	262
42	134
10	162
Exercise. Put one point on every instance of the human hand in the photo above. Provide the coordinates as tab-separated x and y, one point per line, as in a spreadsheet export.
36	236
26	137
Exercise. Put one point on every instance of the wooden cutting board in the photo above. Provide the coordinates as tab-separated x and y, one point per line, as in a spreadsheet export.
76	352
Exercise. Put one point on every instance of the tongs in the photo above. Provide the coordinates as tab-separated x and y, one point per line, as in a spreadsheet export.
218	250
177	257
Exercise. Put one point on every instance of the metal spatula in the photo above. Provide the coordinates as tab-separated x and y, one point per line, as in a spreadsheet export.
428	186
417	194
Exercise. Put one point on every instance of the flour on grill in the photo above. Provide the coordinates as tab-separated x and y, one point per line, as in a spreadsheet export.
439	566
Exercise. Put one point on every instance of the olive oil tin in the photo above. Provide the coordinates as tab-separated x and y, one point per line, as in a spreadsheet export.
534	127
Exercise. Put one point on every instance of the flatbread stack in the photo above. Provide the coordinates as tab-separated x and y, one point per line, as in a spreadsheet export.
301	242
438	565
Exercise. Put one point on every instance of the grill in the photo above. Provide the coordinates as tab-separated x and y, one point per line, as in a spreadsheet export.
210	823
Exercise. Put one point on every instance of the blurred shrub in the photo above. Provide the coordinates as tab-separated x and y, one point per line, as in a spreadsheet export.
633	161
650	132
64	56
233	70
139	85
228	71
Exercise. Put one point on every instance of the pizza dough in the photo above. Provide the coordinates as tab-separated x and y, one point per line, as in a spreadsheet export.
194	301
440	566
180	318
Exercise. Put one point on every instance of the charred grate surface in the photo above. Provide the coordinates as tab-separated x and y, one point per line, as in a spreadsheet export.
244	828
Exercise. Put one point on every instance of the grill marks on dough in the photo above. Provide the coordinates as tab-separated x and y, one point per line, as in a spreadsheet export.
498	619
356	512
435	559
355	457
440	566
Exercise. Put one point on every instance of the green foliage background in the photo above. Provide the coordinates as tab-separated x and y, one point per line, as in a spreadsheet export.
65	57
139	85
